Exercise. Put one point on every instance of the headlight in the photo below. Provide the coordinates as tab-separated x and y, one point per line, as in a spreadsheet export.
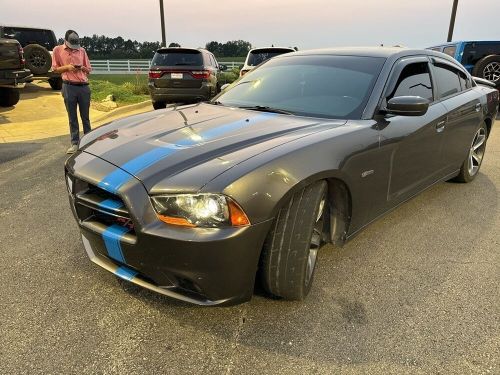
199	210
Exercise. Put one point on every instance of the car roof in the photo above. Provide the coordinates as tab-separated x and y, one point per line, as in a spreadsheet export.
464	41
26	27
164	49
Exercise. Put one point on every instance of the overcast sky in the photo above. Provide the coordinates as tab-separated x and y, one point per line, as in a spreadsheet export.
302	23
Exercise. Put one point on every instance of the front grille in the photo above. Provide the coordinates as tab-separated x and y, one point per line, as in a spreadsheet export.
93	204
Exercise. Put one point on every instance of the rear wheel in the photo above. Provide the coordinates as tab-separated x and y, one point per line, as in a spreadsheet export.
56	83
290	251
159	105
471	165
8	97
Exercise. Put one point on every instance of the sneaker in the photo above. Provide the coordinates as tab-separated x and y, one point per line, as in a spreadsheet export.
72	149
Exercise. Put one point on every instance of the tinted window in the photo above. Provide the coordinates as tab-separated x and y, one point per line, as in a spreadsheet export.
414	80
260	55
450	50
322	86
177	58
473	52
31	36
447	80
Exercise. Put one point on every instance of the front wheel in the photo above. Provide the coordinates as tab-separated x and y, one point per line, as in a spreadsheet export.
290	251
472	164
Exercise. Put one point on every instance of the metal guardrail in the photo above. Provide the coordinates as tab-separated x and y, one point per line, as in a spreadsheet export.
133	66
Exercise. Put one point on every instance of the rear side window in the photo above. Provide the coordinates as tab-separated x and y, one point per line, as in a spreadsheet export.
450	50
414	80
259	56
177	58
473	52
447	80
465	81
31	36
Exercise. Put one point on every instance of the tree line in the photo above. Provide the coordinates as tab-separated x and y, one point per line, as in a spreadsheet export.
103	47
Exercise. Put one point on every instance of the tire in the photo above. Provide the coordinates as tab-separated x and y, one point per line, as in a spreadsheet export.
470	167
288	257
9	97
38	59
488	68
56	83
159	105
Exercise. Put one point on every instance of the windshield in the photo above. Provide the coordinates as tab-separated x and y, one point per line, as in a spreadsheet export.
318	86
177	58
258	56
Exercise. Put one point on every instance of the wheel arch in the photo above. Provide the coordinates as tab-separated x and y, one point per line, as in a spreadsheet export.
489	122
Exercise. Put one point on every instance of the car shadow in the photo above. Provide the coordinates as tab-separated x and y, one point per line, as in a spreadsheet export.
374	292
13	151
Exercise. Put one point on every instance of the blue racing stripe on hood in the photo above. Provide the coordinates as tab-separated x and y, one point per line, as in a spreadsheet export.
116	179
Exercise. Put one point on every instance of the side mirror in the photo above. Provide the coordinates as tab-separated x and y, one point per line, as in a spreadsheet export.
222	67
223	87
408	106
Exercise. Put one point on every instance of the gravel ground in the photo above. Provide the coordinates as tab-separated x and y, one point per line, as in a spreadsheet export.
416	292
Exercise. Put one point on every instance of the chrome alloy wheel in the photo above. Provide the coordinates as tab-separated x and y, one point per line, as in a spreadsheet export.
315	241
491	72
476	152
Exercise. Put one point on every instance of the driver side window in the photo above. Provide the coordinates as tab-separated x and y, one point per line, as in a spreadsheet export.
414	80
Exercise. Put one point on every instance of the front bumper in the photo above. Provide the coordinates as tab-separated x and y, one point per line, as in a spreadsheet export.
204	266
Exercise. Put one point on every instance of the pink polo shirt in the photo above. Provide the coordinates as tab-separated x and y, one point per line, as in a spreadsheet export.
63	55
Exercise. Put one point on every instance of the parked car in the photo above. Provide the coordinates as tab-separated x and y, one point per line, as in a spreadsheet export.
480	58
183	75
37	44
13	75
257	56
309	148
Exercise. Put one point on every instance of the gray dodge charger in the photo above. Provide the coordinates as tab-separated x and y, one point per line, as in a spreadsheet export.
197	202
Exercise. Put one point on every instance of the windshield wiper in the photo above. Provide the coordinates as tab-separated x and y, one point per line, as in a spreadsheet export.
264	108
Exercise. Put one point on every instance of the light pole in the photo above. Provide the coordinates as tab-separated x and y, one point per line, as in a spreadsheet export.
162	20
452	20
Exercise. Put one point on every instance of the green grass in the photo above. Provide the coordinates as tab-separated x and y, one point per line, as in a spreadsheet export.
126	88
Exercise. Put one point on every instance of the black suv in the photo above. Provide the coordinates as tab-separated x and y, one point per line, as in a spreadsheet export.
38	45
183	75
12	72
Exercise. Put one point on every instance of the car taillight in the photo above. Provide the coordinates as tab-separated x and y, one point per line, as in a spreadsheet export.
21	56
201	74
155	73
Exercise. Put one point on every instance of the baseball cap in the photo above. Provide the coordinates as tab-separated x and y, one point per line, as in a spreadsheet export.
72	39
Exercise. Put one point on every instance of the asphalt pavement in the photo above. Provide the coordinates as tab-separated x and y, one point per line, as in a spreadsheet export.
416	292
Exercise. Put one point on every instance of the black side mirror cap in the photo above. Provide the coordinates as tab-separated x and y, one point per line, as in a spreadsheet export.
407	106
222	67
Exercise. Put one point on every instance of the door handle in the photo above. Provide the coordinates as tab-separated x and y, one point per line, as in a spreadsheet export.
478	107
440	126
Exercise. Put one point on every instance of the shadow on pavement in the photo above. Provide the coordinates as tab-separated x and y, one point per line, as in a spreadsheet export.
12	151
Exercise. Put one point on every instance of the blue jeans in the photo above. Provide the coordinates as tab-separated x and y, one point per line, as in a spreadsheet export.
77	96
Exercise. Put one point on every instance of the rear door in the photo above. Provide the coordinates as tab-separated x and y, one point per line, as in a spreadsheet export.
179	68
454	91
414	143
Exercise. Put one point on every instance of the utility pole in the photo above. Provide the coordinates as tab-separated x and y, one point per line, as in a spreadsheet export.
452	20
162	18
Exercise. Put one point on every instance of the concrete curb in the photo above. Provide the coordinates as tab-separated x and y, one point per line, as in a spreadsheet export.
122	110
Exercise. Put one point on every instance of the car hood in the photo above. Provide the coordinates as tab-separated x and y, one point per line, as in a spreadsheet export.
159	145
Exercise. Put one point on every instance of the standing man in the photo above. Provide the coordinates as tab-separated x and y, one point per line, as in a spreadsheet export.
72	62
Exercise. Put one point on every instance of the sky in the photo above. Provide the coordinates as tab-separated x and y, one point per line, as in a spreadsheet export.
303	23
